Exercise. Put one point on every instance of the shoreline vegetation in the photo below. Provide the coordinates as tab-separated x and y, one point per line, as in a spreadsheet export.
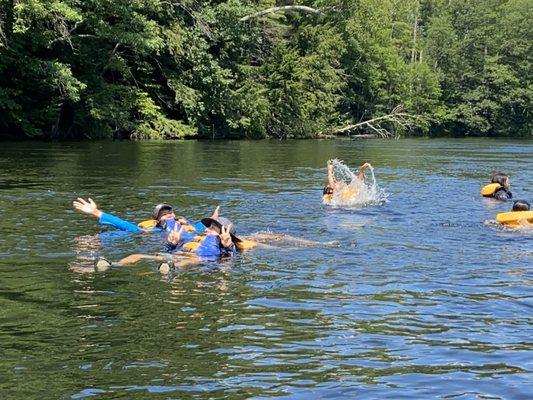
235	69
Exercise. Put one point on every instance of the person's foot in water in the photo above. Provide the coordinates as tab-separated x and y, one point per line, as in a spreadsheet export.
102	264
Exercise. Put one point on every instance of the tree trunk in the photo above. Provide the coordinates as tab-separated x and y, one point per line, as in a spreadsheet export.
415	28
6	19
65	119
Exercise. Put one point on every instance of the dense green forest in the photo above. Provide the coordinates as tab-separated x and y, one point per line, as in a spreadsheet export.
143	69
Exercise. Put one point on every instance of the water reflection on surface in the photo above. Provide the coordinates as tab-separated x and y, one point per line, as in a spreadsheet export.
414	298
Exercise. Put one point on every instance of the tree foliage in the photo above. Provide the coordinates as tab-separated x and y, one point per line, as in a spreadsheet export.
170	69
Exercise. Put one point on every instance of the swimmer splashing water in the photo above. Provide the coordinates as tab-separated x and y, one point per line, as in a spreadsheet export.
346	188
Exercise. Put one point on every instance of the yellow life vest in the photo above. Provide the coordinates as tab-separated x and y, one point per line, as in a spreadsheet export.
512	218
152	223
192	245
490	189
148	224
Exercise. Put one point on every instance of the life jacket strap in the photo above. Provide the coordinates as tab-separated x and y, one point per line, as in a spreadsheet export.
193	244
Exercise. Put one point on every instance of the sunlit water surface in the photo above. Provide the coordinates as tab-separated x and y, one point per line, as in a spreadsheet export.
420	299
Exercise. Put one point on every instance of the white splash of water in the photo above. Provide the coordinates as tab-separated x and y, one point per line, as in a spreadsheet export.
350	191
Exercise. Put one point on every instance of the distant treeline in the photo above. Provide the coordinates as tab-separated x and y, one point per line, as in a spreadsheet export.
143	69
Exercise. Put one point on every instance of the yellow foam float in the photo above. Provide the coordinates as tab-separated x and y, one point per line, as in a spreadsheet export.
513	218
490	189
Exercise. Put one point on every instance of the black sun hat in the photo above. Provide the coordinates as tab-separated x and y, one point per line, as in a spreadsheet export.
219	223
158	210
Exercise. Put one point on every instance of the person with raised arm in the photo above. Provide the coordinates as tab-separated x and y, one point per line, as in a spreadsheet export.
163	218
332	187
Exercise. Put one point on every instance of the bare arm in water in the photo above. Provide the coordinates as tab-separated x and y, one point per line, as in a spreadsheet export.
327	193
331	178
524	223
361	173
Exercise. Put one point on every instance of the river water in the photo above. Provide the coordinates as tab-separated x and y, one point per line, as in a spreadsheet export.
418	299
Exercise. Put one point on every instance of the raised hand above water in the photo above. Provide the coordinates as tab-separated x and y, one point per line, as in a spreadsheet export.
225	237
87	207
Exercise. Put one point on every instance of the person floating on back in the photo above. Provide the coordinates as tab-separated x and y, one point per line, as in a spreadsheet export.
498	188
217	240
163	218
340	188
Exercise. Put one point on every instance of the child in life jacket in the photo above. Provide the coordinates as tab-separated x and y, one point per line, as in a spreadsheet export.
163	218
218	239
332	186
522	206
520	216
498	188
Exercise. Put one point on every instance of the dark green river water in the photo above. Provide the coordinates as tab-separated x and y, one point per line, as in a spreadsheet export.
419	300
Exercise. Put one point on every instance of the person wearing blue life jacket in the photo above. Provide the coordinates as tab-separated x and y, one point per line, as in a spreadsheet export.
217	240
164	219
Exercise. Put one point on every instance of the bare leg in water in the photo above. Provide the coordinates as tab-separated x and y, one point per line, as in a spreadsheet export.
284	238
185	259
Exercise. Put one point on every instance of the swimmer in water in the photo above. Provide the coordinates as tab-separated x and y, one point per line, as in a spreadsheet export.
216	242
499	188
163	218
520	216
333	186
522	205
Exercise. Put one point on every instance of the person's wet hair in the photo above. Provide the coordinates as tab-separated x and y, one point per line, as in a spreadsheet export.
327	190
501	178
521	205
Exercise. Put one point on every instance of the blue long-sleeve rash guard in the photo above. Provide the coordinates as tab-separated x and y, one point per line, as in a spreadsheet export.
119	223
116	222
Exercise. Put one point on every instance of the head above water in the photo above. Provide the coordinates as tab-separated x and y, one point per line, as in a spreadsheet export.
327	194
216	224
327	190
162	212
521	205
502	179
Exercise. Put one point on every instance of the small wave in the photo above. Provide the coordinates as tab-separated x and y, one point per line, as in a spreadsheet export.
523	228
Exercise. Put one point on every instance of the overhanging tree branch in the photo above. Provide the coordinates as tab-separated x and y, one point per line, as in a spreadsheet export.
395	117
282	8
